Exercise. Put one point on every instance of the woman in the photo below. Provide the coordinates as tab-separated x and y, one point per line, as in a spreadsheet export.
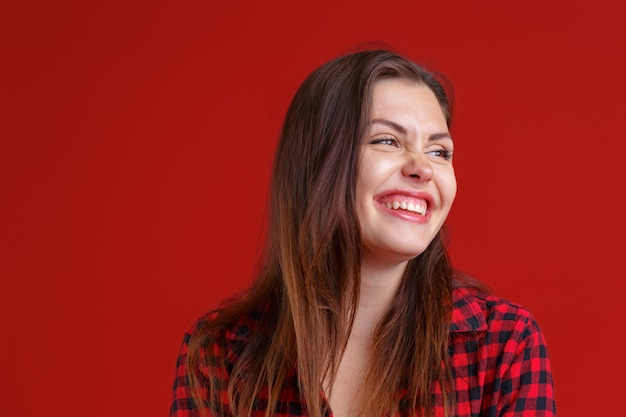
356	310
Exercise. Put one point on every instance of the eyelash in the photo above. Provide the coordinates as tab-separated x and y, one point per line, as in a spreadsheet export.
386	141
391	141
447	155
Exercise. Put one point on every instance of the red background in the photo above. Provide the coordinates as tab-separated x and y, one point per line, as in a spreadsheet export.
137	139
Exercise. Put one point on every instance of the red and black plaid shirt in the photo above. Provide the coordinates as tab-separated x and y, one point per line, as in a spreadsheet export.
497	354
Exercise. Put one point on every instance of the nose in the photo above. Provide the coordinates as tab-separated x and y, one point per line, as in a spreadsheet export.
418	167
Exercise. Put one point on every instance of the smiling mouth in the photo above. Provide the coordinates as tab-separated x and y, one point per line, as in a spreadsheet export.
414	206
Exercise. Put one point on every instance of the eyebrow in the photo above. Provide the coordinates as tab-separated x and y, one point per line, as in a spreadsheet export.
401	129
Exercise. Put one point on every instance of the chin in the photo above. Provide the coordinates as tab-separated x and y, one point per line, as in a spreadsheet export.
392	256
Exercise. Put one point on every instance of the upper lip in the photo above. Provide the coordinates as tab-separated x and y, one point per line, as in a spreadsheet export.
420	195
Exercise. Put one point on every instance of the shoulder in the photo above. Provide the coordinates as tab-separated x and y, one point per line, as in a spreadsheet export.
225	331
499	356
473	310
494	327
214	342
477	312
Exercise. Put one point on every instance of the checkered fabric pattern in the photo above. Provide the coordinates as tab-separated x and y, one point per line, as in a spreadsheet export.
497	354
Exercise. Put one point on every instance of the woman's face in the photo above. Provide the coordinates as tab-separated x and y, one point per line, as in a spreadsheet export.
406	182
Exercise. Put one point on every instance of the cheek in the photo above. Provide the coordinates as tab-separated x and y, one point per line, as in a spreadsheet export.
363	197
376	168
448	186
365	177
361	192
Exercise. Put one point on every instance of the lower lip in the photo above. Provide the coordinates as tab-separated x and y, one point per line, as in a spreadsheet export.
407	215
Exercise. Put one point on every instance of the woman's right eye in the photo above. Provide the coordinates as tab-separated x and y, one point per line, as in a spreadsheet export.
386	140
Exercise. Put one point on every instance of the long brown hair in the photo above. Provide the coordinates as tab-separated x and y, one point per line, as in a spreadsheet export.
308	283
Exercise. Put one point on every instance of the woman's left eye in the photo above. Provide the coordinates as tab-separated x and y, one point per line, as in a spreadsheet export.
442	153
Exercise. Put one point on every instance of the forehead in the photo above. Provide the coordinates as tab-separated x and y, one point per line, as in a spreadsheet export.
393	89
407	101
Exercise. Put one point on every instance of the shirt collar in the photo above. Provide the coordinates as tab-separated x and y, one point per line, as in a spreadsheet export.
467	315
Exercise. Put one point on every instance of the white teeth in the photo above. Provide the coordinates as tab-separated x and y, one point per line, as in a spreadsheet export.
410	206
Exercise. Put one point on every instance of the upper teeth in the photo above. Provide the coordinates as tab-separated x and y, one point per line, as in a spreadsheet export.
416	208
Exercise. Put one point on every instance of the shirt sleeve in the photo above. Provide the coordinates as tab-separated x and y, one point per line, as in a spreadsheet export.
183	404
524	387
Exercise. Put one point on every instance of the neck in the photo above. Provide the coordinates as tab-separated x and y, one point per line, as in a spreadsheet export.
379	286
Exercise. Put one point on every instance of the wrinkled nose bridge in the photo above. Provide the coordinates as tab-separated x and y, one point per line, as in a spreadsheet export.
417	165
